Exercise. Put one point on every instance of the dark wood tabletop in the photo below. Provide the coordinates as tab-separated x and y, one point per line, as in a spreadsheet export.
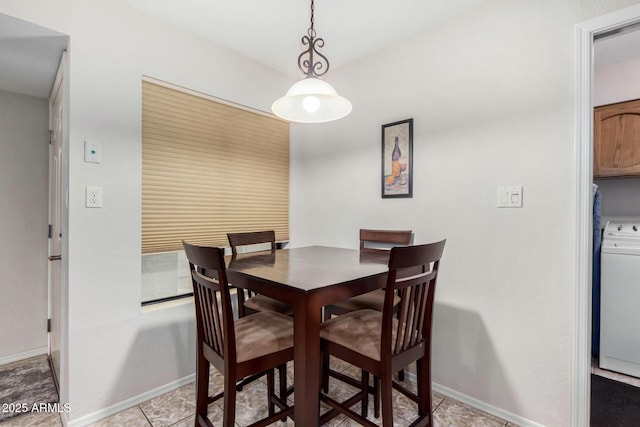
308	278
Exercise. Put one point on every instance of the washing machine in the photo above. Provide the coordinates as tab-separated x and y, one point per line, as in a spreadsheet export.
620	297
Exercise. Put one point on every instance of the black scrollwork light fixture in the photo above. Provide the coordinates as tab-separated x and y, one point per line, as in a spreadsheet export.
312	100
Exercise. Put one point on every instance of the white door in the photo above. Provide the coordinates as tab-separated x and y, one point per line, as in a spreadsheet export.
55	211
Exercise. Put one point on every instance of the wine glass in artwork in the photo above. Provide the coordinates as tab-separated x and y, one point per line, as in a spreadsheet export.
403	171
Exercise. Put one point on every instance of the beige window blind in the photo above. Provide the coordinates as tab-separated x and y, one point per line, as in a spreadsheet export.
209	168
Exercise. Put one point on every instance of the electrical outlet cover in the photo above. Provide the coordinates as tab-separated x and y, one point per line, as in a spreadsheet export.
93	197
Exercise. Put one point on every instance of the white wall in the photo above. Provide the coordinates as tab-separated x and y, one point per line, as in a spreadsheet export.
491	94
117	352
24	191
620	198
617	83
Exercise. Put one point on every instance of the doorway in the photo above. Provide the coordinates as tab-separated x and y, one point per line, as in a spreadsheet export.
584	179
30	57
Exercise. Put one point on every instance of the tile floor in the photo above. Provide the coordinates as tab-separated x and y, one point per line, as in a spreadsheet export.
176	409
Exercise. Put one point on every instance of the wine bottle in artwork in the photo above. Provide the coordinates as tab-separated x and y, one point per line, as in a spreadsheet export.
395	160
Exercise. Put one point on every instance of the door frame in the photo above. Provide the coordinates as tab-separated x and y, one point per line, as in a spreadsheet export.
61	83
55	180
585	32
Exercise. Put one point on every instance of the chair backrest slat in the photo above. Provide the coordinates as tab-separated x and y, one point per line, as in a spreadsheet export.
214	316
422	300
413	271
251	238
208	302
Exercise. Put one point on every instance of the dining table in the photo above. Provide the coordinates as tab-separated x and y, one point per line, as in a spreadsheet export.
308	278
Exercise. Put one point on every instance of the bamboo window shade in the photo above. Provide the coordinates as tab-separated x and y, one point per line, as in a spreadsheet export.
209	168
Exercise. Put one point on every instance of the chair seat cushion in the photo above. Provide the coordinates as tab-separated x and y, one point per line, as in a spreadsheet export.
262	333
373	300
264	303
359	331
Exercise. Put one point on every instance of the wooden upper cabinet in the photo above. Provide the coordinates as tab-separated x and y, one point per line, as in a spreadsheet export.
616	140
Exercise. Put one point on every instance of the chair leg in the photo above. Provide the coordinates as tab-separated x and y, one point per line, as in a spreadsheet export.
365	394
282	379
270	391
424	390
202	386
241	299
401	375
326	314
324	371
386	390
229	398
376	397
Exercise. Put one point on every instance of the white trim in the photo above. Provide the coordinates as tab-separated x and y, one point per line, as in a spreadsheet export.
24	355
580	396
131	402
484	407
61	85
476	404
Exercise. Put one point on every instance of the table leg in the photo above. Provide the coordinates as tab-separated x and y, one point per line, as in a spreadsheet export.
306	362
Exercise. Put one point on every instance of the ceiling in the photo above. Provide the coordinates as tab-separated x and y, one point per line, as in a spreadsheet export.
29	56
268	31
621	45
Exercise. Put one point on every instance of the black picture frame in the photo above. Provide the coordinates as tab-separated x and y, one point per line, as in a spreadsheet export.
397	173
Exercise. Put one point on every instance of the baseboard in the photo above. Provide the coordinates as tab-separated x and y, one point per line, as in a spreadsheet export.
136	400
485	407
478	404
129	403
24	355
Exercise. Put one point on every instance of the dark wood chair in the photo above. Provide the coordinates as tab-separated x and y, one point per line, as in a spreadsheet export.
370	241
250	346
250	302
395	237
381	343
374	299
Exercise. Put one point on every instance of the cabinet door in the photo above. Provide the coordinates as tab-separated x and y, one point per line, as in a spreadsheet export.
616	139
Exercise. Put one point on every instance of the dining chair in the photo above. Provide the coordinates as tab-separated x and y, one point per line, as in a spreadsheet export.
373	299
370	243
251	346
250	302
383	342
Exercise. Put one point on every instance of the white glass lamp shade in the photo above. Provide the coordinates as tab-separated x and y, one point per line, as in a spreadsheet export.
311	100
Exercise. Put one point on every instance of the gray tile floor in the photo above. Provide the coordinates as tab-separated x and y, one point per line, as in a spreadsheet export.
176	408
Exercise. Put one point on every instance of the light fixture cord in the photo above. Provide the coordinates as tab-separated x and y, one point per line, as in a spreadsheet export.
307	59
312	19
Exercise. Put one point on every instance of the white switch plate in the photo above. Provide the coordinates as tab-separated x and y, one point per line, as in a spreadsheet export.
510	197
93	197
92	152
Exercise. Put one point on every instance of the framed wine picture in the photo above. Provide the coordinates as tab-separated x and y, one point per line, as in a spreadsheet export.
397	159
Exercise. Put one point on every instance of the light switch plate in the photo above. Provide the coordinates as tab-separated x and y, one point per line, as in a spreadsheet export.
93	197
92	152
510	197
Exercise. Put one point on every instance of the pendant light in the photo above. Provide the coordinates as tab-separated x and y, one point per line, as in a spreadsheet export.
312	100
